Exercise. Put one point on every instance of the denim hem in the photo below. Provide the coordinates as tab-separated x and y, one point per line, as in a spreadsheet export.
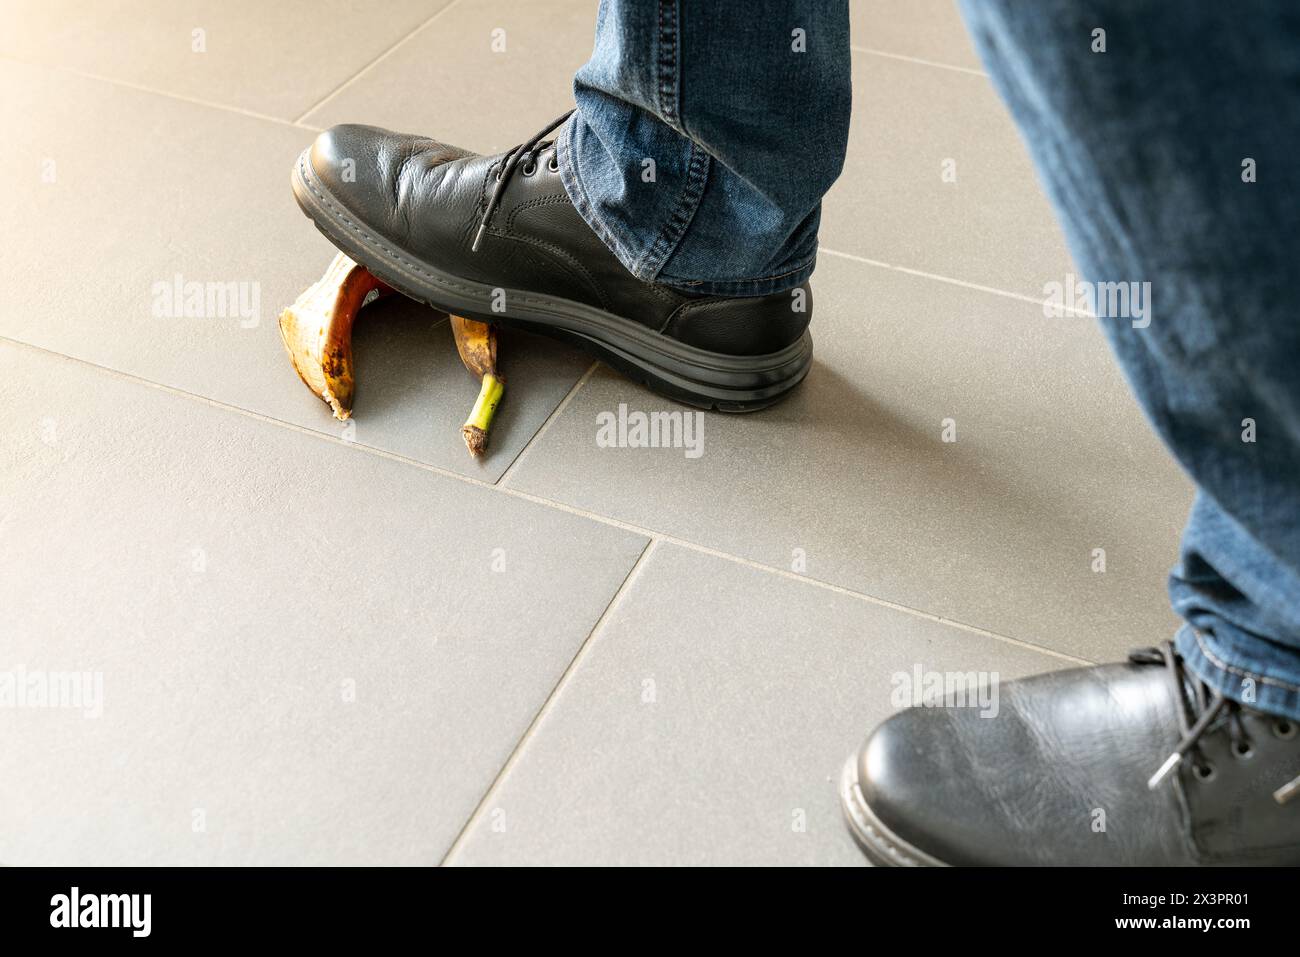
647	266
1270	695
572	183
740	288
666	243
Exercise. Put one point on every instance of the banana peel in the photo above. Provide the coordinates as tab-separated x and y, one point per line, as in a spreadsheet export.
477	344
317	330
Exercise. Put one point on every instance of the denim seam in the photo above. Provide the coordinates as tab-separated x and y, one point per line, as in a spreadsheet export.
572	181
1232	669
781	275
729	290
697	174
668	92
666	40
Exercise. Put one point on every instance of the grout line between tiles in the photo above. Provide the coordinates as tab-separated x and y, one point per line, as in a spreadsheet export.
912	59
920	273
549	704
555	414
781	572
549	503
375	62
181	97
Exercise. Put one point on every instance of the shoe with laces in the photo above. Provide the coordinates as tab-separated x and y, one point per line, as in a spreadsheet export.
496	238
1122	764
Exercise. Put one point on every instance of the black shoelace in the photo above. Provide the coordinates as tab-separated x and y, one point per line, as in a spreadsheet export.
1199	708
522	152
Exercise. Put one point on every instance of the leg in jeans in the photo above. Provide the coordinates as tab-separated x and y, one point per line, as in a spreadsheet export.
1186	756
1171	159
706	135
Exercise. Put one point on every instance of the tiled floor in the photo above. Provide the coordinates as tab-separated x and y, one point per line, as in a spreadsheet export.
329	645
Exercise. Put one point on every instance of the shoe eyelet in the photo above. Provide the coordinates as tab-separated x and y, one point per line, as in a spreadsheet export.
1205	772
530	169
1243	750
1284	729
553	165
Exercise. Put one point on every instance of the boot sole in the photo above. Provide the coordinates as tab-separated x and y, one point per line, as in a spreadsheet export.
882	846
711	380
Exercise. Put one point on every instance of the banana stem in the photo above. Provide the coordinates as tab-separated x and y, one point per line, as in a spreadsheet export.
476	427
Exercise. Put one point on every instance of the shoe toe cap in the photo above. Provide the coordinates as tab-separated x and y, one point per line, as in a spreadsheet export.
906	772
1022	782
379	177
351	158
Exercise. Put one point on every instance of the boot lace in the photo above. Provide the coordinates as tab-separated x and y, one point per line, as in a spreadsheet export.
1199	708
524	152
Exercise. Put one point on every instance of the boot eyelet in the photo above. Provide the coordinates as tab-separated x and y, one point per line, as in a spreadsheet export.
1284	729
553	165
1205	772
1243	750
530	169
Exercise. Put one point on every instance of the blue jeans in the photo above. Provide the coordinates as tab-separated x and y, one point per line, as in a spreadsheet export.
1171	159
706	134
1169	147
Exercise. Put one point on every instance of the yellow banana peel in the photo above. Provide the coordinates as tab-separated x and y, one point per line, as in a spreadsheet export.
317	330
477	344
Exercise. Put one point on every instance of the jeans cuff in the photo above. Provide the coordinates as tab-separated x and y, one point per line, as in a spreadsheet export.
1255	690
739	288
572	182
647	266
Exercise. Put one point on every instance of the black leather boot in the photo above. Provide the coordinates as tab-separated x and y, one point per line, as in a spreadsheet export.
1135	763
495	238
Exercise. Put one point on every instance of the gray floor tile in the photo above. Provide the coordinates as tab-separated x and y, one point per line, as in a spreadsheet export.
276	58
709	717
204	194
992	226
469	93
1052	460
926	29
234	581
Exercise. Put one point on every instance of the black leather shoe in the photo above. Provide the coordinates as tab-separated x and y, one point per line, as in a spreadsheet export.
495	238
1135	763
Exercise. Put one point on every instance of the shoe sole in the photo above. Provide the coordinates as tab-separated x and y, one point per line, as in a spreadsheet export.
711	380
882	846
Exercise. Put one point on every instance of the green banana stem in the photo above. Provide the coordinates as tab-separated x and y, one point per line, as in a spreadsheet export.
476	427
